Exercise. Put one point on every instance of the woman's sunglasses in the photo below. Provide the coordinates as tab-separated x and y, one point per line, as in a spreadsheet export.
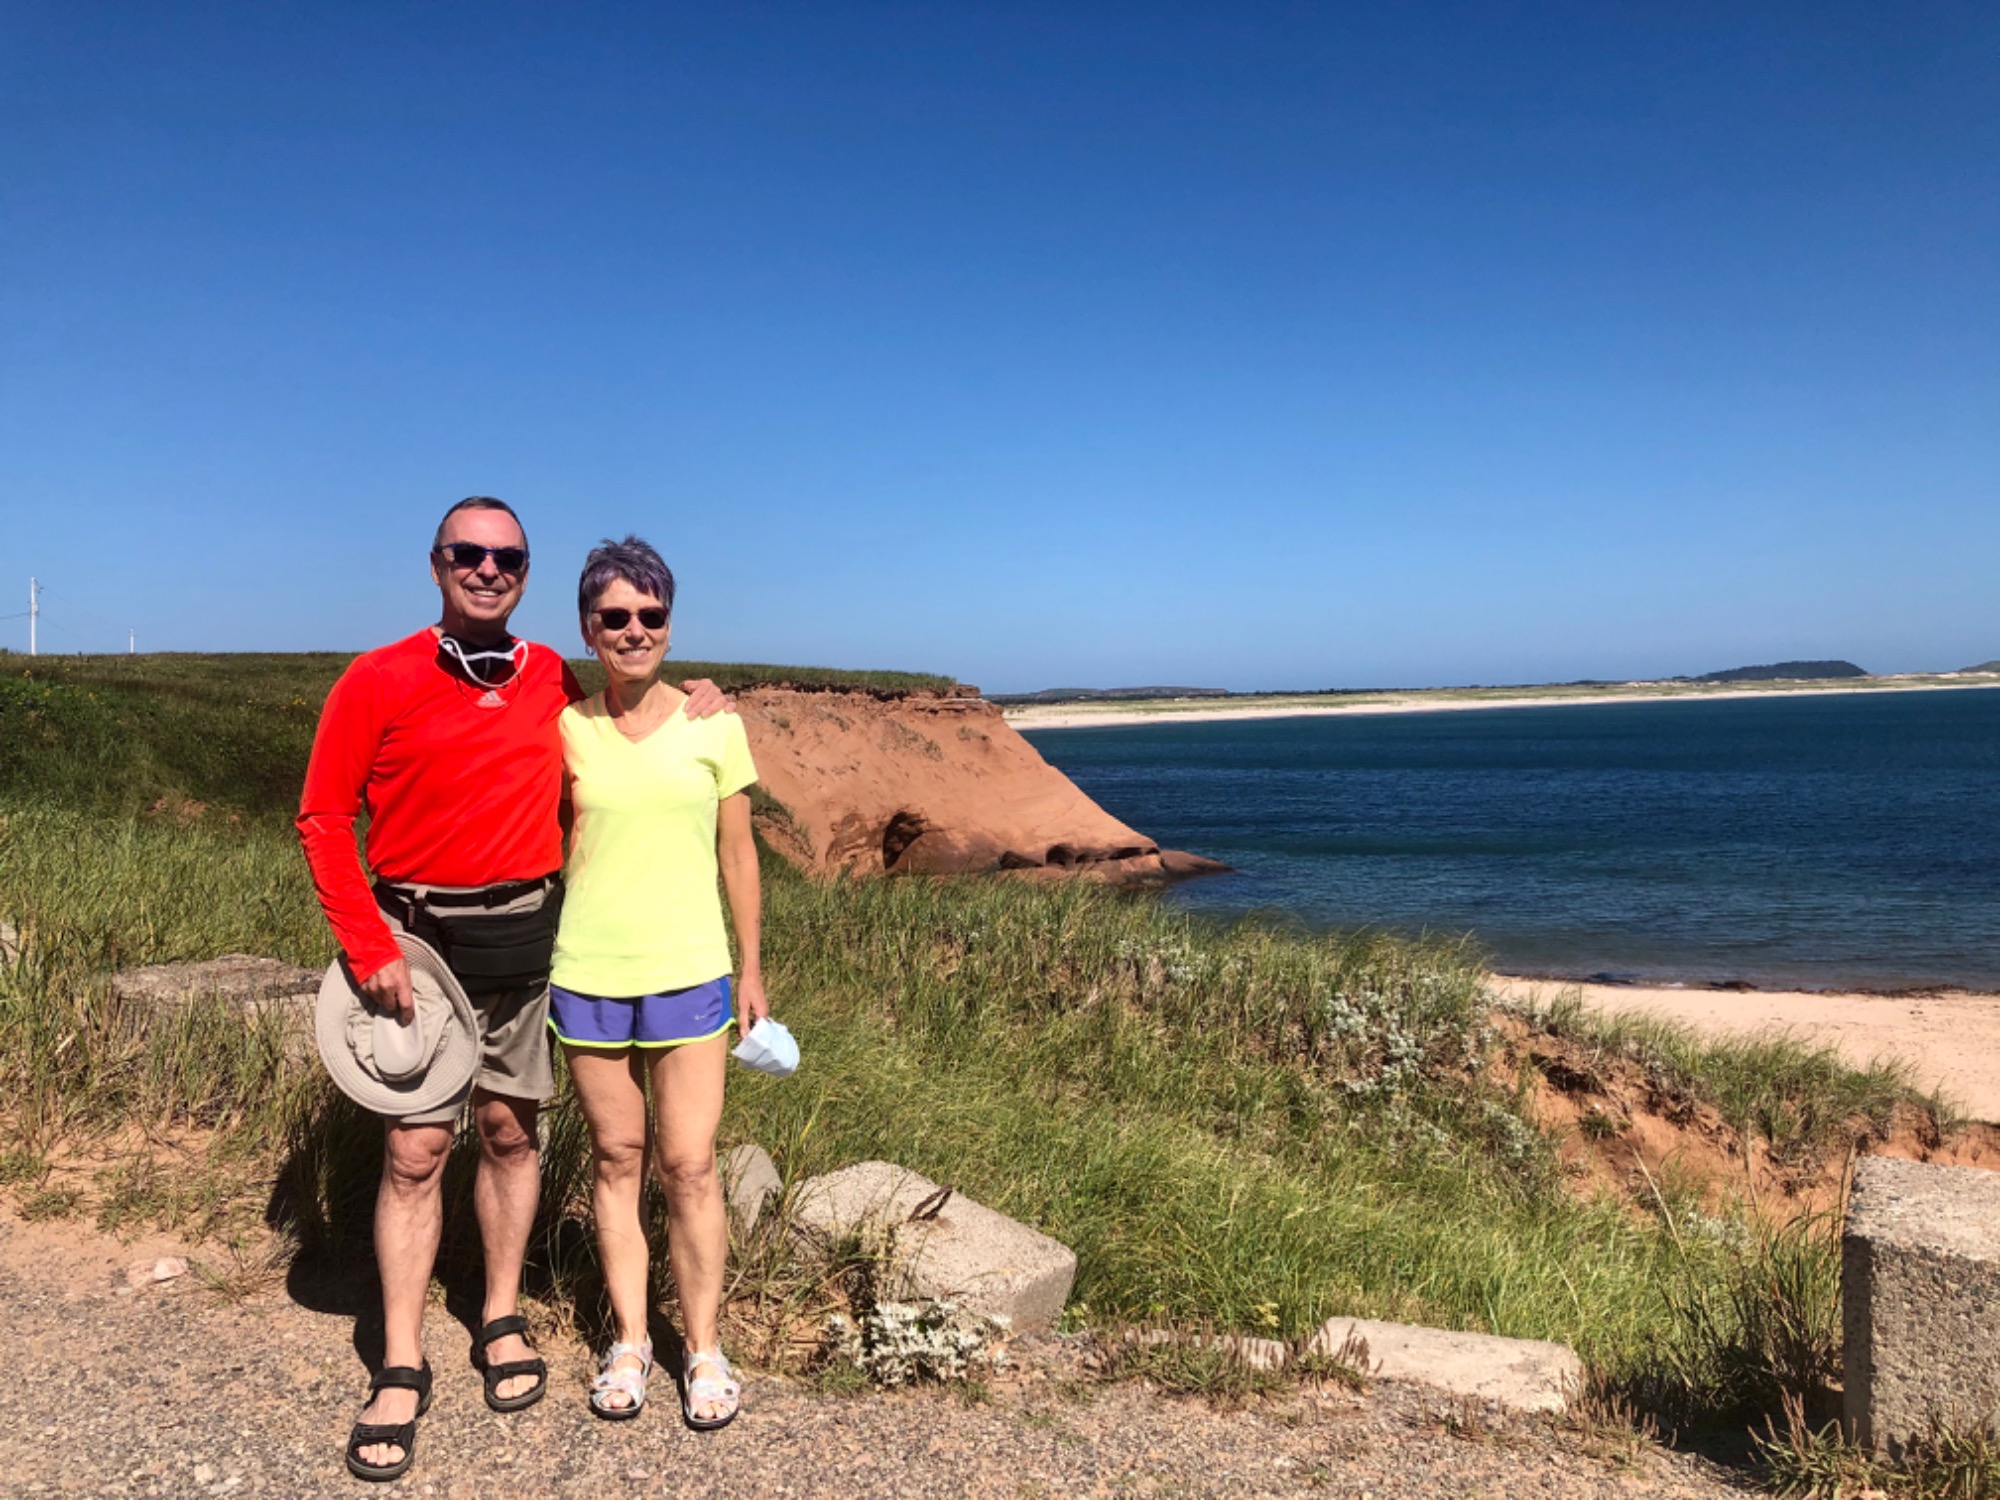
471	555
617	619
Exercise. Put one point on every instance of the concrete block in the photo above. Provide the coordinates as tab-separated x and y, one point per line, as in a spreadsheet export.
239	978
1920	1299
1521	1375
750	1182
983	1260
255	986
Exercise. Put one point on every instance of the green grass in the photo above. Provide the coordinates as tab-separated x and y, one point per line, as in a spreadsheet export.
1242	1128
1946	1462
734	677
1234	1128
116	734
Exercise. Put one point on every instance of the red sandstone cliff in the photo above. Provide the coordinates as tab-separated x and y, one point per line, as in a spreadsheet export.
929	785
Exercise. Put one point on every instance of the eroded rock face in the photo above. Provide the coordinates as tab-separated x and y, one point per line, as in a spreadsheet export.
933	786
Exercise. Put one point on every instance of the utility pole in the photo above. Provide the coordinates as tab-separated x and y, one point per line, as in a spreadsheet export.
34	612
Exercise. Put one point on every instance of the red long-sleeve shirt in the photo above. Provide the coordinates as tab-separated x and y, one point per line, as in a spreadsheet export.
461	784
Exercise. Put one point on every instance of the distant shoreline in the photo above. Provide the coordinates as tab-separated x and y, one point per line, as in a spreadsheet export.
1445	700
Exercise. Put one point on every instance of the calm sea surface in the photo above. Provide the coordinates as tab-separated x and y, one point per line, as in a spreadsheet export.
1820	842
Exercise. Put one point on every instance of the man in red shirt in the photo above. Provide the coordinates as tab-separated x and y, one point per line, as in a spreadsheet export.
449	740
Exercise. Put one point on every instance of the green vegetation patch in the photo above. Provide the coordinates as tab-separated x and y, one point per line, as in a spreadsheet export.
1236	1128
1241	1129
736	677
180	733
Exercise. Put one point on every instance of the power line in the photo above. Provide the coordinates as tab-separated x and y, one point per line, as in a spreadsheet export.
37	616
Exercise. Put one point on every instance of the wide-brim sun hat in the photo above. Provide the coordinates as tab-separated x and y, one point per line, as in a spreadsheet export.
389	1068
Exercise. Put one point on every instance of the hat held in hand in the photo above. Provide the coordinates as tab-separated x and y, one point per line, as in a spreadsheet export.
389	1067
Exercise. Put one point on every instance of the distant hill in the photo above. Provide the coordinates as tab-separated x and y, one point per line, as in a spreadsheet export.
1985	666
1786	671
1092	695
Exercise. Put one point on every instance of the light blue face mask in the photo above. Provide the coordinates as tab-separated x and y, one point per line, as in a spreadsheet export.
769	1048
485	666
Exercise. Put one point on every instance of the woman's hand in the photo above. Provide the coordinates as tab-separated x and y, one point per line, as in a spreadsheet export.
751	1006
736	852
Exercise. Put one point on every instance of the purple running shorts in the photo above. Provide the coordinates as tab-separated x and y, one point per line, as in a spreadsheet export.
670	1019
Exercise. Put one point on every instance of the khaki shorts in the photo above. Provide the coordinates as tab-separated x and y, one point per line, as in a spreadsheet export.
513	1029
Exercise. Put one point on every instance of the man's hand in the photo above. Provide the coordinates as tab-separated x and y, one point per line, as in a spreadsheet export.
705	698
389	988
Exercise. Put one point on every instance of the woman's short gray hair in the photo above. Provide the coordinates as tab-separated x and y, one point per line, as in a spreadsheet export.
633	560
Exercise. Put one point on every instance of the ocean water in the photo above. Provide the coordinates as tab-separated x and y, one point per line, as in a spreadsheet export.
1848	841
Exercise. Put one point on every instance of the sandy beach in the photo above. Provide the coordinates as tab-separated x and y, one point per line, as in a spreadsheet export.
1950	1040
1438	700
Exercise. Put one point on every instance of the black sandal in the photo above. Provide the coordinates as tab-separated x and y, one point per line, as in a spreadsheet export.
499	1328
402	1434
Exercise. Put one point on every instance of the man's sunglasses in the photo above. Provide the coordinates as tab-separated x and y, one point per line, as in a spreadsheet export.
471	555
617	619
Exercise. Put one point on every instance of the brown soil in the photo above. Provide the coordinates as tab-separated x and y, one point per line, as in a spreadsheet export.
931	786
1626	1133
220	1385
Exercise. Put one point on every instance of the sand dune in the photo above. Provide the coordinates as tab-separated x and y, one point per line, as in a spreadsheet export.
1950	1040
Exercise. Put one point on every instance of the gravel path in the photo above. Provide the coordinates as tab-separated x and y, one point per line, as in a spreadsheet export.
174	1390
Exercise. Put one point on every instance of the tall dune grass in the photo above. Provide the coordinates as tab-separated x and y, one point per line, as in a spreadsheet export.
1257	1129
1238	1126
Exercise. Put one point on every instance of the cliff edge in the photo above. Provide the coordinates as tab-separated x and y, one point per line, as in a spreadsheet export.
935	785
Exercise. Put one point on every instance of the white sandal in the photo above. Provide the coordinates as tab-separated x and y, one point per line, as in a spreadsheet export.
722	1390
629	1383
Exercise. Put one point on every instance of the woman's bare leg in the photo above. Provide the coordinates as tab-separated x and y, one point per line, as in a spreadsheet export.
608	1088
687	1108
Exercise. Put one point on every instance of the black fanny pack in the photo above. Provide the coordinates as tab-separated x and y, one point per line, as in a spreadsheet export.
488	952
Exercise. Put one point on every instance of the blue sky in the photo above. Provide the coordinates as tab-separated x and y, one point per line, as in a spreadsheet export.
1250	345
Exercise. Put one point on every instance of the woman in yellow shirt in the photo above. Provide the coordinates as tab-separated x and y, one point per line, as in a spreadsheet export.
641	990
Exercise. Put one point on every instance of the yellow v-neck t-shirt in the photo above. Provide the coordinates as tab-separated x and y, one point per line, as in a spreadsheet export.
642	913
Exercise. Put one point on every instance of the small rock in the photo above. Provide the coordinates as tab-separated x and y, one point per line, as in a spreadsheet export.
1522	1375
203	1474
240	978
961	1250
150	1273
255	986
749	1182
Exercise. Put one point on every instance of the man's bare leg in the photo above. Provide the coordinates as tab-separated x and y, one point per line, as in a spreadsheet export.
409	1211
508	1187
